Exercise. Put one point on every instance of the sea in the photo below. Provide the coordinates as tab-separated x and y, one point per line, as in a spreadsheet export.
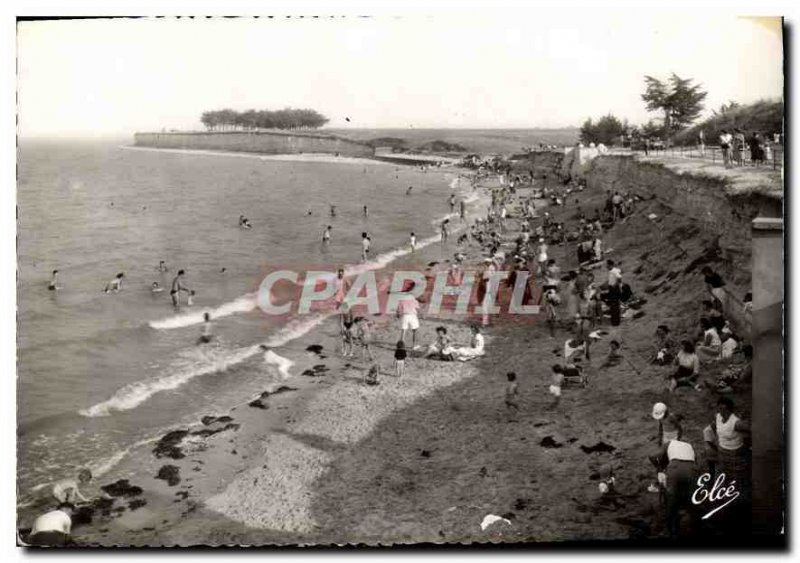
100	373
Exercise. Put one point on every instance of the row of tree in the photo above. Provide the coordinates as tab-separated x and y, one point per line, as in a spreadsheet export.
288	118
679	100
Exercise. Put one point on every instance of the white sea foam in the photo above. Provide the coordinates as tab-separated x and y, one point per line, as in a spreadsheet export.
282	364
134	394
243	304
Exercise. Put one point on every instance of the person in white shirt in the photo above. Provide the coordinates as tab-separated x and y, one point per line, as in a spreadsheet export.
711	346
53	528
365	244
678	475
725	140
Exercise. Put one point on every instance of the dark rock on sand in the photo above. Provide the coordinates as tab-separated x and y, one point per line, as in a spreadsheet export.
599	447
182	495
549	442
425	453
205	432
258	404
169	445
136	503
170	474
121	488
315	348
208	420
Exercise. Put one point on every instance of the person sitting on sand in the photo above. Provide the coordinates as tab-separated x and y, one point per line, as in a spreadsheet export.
713	312
53	286
441	349
67	490
156	288
664	353
346	322
710	347
373	374
205	335
475	348
400	356
115	285
614	357
363	338
53	528
688	366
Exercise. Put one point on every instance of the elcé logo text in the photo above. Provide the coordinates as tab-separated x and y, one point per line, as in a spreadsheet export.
718	492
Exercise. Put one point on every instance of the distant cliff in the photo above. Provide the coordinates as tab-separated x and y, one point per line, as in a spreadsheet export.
268	142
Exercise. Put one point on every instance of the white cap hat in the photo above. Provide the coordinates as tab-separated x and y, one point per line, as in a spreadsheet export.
659	410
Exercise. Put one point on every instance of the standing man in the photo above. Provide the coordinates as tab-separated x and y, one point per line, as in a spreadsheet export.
462	211
614	291
177	287
678	474
365	244
452	203
407	311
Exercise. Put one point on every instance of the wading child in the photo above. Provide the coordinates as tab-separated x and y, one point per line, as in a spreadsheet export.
364	338
400	358
346	321
67	490
206	336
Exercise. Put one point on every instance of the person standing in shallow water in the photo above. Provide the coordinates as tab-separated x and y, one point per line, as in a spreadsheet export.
54	282
177	287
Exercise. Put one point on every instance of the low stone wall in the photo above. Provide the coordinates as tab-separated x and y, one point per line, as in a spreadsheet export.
267	142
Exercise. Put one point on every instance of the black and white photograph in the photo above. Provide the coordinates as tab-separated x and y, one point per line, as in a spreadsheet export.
469	278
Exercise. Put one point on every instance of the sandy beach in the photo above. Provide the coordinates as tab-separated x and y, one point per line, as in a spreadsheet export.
323	458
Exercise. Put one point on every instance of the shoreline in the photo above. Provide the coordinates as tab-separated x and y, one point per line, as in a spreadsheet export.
287	413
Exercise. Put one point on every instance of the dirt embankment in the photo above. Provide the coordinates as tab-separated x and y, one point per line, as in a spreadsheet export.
436	468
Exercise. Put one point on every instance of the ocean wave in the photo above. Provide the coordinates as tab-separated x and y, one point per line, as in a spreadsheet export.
136	393
243	304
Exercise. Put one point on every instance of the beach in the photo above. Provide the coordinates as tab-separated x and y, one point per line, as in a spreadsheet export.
319	457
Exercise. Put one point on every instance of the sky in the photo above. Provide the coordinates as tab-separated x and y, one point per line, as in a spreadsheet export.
483	70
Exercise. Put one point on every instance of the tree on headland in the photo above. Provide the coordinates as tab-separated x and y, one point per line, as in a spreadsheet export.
288	118
608	130
725	108
678	98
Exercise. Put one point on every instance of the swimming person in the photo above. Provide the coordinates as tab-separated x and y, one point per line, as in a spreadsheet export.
205	335
116	284
177	287
326	235
244	222
408	191
366	211
162	266
333	211
54	282
156	288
